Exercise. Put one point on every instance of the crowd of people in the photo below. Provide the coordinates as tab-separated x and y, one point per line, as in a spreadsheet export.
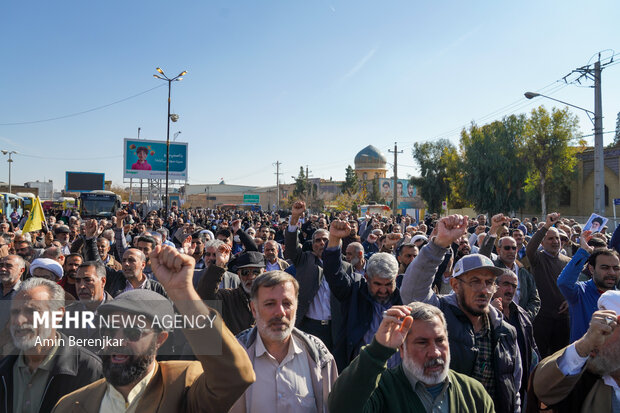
316	312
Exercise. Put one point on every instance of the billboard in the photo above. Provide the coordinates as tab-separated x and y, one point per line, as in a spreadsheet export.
147	159
84	181
403	188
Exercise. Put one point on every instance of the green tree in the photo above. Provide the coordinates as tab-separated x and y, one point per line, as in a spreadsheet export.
350	185
373	194
433	181
550	151
453	162
494	166
301	184
617	136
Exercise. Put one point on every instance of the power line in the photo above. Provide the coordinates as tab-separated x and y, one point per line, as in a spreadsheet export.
82	112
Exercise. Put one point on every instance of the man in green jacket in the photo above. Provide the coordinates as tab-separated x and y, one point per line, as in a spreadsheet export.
422	383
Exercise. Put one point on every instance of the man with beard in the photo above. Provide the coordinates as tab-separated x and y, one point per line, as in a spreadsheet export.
236	310
582	297
294	370
272	262
353	237
45	367
585	376
551	326
363	299
503	300
135	381
12	267
103	246
422	383
72	263
229	279
482	344
354	255
461	248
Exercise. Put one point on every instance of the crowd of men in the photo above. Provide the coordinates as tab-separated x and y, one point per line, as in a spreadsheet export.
317	312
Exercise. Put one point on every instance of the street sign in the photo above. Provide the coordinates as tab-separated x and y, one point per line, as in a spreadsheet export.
616	201
251	198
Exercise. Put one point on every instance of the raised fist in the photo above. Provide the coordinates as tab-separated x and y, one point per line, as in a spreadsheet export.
552	218
298	208
339	229
392	238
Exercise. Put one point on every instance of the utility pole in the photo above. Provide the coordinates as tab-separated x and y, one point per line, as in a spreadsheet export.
278	173
595	73
395	200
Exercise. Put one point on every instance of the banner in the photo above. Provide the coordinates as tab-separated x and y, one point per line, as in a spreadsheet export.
146	159
33	223
403	188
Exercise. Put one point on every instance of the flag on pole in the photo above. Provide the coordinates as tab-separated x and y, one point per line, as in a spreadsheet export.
36	217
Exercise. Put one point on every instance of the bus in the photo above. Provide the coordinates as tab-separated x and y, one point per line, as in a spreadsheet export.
28	199
99	204
10	203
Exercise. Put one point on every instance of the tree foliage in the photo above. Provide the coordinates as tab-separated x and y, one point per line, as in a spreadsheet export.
494	165
617	135
350	185
301	184
550	152
433	182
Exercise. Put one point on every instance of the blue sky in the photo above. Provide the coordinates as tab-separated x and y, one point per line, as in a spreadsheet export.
302	82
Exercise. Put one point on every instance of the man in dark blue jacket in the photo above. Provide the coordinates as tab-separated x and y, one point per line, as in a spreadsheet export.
363	300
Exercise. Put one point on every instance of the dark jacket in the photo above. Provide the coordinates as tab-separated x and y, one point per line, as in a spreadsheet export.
530	356
236	311
74	367
115	280
357	305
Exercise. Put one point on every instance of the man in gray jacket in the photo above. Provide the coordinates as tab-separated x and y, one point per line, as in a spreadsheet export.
482	344
294	370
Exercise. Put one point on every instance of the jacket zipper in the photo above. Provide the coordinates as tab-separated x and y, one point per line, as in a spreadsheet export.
6	396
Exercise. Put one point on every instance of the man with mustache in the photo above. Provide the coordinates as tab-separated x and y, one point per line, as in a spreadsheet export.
294	370
585	376
44	369
134	381
422	383
582	297
482	344
516	316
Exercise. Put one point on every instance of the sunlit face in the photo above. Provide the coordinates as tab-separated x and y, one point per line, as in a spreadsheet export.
407	254
275	309
381	289
474	291
551	242
21	322
606	272
88	285
247	276
71	265
508	250
10	270
270	251
426	352
506	288
103	245
132	263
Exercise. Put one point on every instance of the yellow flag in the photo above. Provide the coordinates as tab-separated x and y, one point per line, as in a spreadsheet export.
36	217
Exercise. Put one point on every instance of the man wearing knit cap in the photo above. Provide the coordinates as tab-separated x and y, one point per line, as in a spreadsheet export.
585	376
135	381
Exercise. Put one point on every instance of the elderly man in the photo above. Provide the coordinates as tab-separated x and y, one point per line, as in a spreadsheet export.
46	367
585	376
132	275
314	315
272	262
46	268
12	267
516	316
527	293
423	383
235	302
229	280
62	235
294	370
551	326
582	296
354	255
363	299
135	381
482	344
103	246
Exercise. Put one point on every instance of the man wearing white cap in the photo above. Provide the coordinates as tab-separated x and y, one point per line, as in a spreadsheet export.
585	376
46	268
482	344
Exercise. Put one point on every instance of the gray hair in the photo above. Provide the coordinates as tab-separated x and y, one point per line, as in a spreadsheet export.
356	246
271	279
99	267
108	234
499	242
55	291
21	263
382	265
319	231
426	312
214	243
163	231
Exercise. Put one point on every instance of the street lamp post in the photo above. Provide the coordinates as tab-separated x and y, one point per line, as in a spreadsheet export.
10	161
167	79
599	174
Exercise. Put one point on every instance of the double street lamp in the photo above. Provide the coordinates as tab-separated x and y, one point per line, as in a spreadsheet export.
597	121
172	117
10	161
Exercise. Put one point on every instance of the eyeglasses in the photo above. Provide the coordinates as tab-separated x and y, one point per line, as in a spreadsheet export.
247	271
132	334
477	284
509	247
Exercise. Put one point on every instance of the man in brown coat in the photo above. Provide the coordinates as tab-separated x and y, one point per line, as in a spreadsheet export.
585	376
135	381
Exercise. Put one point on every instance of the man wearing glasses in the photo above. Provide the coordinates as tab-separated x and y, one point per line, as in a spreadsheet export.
482	344
236	310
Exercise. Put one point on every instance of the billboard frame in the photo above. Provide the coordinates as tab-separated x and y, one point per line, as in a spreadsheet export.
85	173
157	151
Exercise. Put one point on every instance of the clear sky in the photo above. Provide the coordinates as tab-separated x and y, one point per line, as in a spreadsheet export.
300	82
